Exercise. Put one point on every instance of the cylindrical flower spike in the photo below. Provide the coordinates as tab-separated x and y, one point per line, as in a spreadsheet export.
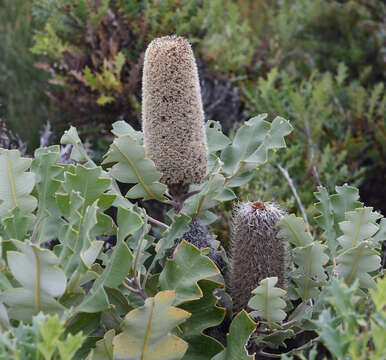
256	250
172	113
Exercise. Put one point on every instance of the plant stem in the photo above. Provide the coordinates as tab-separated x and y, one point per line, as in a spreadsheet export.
294	191
157	222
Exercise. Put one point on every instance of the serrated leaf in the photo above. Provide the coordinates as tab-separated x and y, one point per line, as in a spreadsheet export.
146	331
121	128
379	294
326	218
381	234
182	273
215	137
205	314
273	139
239	332
356	263
334	339
78	152
341	298
70	346
252	141
36	270
345	199
115	272
47	173
267	301
294	230
309	261
277	338
50	331
16	184
18	224
88	183
358	227
207	197
132	166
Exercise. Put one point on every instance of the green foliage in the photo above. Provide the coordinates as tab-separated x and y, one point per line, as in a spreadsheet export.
23	102
134	294
44	339
334	122
347	330
131	289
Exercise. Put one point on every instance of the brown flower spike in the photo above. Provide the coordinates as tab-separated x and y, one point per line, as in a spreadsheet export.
172	113
256	251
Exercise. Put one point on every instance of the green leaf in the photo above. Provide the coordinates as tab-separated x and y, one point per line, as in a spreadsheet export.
210	190
146	331
239	333
78	152
70	346
51	331
119	61
309	273
205	314
294	230
273	139
215	137
121	128
104	348
358	227
252	142
356	263
179	226
277	338
326	218
132	166
381	234
36	270
16	184
128	223
18	224
267	301
345	199
115	272
88	183
182	272
331	335
47	173
379	294
104	99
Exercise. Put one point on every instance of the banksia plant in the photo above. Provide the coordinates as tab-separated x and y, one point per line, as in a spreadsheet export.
172	113
256	250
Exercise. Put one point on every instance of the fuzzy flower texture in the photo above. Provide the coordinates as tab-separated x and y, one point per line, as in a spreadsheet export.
257	252
172	113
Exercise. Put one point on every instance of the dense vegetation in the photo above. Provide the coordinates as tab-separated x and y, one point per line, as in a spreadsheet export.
319	64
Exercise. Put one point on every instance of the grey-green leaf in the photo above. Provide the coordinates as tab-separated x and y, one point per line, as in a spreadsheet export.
16	184
268	301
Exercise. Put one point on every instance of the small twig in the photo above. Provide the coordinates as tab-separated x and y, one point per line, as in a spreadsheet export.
273	356
294	191
263	331
35	232
134	285
157	222
311	145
